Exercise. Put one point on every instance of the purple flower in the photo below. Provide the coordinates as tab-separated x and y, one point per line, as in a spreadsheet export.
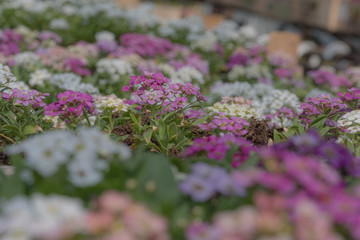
199	189
202	231
216	148
226	186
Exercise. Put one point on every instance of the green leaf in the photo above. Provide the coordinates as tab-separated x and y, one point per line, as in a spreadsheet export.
156	171
147	136
318	123
28	129
161	129
324	131
172	130
277	136
301	128
133	118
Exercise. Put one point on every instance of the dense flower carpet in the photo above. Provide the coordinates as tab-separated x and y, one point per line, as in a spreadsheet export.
119	126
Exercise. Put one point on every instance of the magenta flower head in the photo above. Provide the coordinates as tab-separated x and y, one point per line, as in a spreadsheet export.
77	66
25	97
216	148
351	98
334	154
48	35
153	89
322	104
71	105
9	42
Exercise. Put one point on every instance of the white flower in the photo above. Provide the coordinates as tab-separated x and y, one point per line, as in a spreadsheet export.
26	59
86	155
235	110
112	103
188	74
105	36
39	77
39	217
236	72
70	81
18	84
206	42
5	75
279	99
167	69
351	121
59	23
83	174
115	68
265	98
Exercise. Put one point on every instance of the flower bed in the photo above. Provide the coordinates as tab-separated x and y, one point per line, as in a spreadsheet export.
120	126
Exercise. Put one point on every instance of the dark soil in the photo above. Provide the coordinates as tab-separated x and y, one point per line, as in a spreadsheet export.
174	152
145	119
3	157
123	130
259	132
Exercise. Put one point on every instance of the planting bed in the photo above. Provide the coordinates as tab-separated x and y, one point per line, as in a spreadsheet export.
120	126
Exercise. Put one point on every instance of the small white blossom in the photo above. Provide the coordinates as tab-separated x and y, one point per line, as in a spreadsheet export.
351	121
39	77
86	155
105	36
188	74
40	216
115	68
59	23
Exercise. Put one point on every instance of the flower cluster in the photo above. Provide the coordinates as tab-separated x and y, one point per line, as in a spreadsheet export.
323	104
331	153
188	74
115	68
146	45
350	121
41	217
217	147
71	105
205	181
277	99
283	118
9	42
77	66
85	155
25	97
247	57
112	103
39	77
6	76
270	218
233	109
55	57
296	176
116	209
351	97
234	125
151	47
70	81
49	38
26	59
327	76
156	90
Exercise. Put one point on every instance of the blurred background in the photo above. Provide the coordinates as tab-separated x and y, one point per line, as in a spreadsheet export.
318	31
